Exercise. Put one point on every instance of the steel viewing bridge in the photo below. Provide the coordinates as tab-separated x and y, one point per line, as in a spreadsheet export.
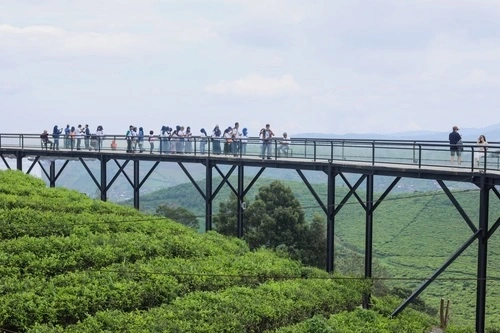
334	157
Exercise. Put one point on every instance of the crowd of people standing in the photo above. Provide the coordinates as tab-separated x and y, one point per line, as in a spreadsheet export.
230	141
73	137
179	140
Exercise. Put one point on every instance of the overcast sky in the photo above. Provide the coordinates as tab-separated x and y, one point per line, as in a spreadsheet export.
325	66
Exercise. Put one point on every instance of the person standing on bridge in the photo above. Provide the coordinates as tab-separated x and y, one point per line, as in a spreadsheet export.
235	135
72	136
165	133
267	142
56	133
151	140
216	137
100	135
80	133
129	138
228	140
481	150
67	137
456	146
203	141
244	141
140	139
86	131
188	144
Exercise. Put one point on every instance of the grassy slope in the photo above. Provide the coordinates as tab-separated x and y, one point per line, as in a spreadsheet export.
65	258
414	234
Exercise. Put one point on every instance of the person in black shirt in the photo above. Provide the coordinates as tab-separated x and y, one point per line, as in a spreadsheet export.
455	146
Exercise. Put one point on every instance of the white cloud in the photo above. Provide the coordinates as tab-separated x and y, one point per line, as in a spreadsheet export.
52	41
257	85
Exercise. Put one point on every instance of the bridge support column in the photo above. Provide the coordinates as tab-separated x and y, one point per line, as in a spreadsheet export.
208	196
482	255
330	221
104	181
52	174
368	235
241	189
19	159
137	184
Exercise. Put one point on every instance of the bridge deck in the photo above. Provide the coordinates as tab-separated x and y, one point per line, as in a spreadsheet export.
437	168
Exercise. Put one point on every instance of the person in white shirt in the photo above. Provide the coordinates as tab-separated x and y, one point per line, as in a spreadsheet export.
284	145
100	135
174	140
228	140
133	135
480	150
188	146
180	141
267	145
80	133
235	134
151	140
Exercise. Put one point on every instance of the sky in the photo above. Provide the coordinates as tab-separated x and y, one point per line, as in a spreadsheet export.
312	66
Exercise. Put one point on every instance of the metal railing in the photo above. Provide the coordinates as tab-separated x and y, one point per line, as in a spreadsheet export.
376	152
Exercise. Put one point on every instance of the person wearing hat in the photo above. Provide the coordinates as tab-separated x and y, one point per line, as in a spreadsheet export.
456	146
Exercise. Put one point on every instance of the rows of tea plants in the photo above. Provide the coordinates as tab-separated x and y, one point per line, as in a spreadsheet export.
69	263
48	256
236	309
70	297
375	320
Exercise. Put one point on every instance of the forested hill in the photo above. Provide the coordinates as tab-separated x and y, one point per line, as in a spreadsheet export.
72	264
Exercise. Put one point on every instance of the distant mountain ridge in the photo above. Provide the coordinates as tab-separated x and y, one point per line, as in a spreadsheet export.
492	134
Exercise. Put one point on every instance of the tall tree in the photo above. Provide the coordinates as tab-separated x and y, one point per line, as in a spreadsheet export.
313	247
275	219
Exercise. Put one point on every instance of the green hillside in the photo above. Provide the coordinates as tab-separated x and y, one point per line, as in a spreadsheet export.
414	234
72	264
